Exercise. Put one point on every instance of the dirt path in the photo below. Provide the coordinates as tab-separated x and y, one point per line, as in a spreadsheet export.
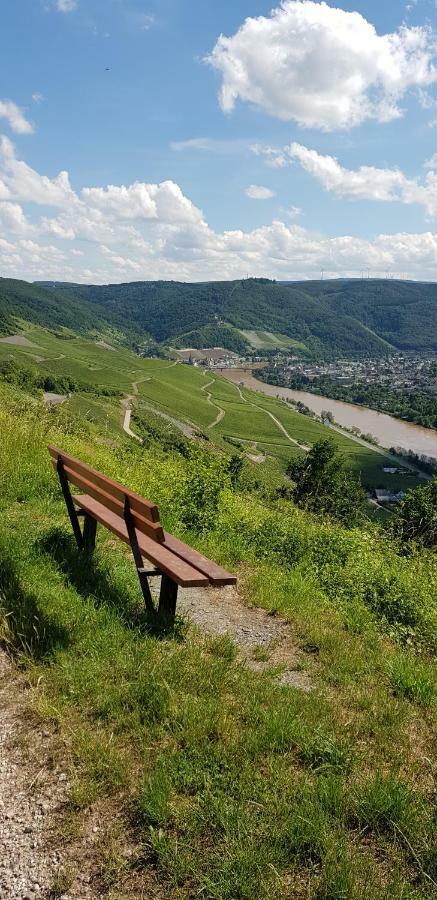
263	640
221	412
38	860
32	793
127	406
275	420
126	420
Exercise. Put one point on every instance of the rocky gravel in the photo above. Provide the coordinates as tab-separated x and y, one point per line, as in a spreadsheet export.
265	641
33	790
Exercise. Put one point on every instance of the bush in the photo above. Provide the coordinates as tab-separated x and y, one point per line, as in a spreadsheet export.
325	485
416	516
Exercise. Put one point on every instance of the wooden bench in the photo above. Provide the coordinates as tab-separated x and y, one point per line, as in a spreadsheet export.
135	521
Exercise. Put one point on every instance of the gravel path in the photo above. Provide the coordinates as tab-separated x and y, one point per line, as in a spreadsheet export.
220	412
264	640
37	860
30	794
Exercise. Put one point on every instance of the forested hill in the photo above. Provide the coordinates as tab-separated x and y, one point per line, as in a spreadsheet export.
404	313
324	318
45	306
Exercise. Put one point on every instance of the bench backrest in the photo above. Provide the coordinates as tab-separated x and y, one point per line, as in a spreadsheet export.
145	515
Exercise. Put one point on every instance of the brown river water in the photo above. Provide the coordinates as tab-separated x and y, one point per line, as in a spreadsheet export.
388	431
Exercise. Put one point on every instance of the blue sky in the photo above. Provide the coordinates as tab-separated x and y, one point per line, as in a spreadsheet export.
303	140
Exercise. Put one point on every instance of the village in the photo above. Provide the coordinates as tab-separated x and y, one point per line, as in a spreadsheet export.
400	371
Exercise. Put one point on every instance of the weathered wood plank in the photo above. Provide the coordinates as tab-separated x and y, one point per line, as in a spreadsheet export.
171	565
216	574
154	530
138	504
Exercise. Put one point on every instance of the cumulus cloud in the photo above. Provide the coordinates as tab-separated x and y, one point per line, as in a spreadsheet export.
364	183
431	163
321	66
25	184
258	192
15	117
151	231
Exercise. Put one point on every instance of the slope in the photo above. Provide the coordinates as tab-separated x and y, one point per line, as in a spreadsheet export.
190	773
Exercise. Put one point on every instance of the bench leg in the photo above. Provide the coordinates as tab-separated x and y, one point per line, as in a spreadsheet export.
167	598
136	552
71	509
89	534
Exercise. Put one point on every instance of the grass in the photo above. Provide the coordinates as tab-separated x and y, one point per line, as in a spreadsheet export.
234	786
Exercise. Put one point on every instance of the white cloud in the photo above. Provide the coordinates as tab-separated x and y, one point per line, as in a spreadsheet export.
12	218
152	231
15	117
364	183
25	184
37	97
164	201
431	163
66	6
321	66
258	192
212	145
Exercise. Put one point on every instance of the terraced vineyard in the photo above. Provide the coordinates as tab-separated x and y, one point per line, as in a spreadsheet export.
265	429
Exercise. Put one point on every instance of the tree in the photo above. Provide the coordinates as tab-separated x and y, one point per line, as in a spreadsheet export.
416	516
324	484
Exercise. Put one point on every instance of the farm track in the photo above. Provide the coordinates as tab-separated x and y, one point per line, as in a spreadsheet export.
221	412
274	419
129	399
36	777
127	404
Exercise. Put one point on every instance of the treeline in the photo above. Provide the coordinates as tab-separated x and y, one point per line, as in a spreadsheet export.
30	380
332	318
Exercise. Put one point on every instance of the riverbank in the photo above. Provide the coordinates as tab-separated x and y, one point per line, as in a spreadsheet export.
388	431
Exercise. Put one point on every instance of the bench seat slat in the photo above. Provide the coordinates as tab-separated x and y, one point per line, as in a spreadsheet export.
137	504
215	574
153	530
177	569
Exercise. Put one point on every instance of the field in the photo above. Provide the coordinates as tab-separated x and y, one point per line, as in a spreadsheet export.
267	340
204	400
209	778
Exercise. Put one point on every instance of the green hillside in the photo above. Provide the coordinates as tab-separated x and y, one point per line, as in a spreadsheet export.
98	376
208	773
404	313
169	309
329	318
21	302
321	318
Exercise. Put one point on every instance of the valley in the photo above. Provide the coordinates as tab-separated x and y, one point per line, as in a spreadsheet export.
110	385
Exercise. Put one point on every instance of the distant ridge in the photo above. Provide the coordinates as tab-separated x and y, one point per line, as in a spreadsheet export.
350	317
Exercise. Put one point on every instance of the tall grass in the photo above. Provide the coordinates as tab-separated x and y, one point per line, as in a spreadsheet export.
235	786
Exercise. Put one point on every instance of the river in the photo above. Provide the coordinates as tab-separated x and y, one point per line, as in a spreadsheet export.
388	431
